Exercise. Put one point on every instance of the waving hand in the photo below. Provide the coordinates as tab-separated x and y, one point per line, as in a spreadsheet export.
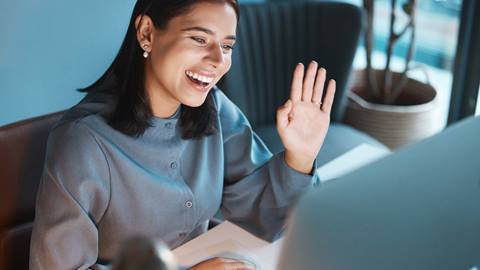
303	121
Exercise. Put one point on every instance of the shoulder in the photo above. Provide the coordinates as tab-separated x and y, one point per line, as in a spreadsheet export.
73	141
79	129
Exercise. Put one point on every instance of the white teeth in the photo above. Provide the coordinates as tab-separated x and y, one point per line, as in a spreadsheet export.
199	77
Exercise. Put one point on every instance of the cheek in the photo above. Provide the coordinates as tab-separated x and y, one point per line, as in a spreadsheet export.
228	64
226	67
169	61
170	53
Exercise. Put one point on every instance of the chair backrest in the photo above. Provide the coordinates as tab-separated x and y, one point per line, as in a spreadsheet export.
22	154
274	37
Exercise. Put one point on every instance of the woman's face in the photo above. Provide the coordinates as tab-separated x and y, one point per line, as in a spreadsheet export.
190	55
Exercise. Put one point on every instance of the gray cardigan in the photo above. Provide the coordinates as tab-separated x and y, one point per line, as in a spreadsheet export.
100	187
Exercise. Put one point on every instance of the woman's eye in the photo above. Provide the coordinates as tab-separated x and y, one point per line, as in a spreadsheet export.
199	40
227	47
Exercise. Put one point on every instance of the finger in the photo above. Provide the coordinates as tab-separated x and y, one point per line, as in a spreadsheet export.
224	260
319	85
328	101
282	115
220	261
308	81
297	81
239	266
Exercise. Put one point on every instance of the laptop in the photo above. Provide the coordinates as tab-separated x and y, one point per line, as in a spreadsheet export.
418	208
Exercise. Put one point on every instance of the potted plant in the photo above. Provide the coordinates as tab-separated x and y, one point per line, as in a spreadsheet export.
389	105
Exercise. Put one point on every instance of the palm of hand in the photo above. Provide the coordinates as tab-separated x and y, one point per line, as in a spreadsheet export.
306	129
303	121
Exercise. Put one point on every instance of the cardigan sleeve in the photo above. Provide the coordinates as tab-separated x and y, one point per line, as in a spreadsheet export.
259	188
72	197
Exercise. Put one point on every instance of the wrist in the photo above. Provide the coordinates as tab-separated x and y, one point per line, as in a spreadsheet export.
300	163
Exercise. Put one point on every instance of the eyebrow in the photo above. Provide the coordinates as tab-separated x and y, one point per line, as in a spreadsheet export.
208	31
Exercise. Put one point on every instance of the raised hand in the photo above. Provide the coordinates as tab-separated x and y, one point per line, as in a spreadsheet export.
303	121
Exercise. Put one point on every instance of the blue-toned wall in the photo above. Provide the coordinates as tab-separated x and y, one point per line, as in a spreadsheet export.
50	48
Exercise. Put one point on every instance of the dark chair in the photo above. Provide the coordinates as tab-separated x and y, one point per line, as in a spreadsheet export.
22	153
272	39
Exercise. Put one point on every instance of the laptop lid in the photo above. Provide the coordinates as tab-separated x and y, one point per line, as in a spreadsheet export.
418	208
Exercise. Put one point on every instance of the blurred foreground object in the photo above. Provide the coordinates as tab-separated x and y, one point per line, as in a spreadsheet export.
417	208
145	254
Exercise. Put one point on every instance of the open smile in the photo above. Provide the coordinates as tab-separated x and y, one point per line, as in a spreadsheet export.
200	81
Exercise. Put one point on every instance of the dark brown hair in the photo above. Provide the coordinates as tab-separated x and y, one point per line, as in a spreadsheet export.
132	113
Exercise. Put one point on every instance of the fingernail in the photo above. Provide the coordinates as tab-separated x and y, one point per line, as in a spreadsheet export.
314	62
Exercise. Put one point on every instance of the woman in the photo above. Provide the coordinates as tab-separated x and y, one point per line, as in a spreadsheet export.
156	150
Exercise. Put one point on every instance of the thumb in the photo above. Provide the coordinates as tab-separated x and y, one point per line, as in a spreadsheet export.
282	114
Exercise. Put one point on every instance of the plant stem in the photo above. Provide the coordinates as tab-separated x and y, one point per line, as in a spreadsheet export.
387	75
368	40
411	51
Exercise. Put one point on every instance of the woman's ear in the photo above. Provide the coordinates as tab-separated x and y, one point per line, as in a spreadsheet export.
145	27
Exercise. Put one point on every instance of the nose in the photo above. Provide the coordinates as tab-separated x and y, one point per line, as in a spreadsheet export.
215	55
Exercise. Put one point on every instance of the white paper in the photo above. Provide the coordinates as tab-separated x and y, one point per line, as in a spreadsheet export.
230	241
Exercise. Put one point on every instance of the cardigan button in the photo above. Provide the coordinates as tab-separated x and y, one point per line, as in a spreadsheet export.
188	204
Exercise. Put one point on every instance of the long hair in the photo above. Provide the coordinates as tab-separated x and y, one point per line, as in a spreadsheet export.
132	113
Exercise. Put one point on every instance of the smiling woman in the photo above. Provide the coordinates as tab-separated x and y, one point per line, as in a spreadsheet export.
156	150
